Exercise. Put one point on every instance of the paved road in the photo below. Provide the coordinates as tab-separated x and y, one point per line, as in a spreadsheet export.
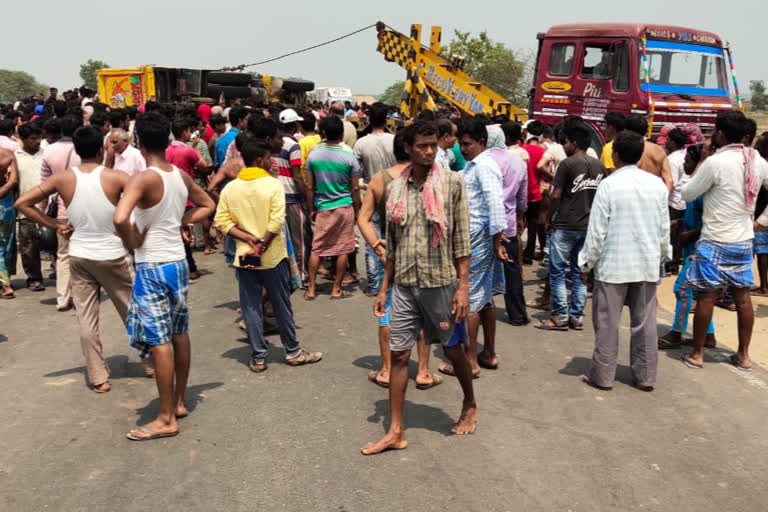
288	439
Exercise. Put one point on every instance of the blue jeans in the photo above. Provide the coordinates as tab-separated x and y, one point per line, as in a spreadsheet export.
374	270
564	248
277	281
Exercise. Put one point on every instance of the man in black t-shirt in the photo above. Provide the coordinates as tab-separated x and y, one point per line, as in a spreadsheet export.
573	190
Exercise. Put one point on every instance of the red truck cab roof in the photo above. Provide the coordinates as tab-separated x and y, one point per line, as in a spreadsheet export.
636	30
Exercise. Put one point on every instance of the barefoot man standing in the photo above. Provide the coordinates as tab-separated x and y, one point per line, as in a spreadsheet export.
427	249
157	313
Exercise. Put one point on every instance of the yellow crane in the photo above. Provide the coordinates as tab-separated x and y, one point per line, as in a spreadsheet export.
429	73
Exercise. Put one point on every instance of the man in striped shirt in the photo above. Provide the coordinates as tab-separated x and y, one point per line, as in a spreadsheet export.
333	173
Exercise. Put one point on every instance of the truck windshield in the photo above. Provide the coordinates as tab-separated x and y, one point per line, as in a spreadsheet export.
688	69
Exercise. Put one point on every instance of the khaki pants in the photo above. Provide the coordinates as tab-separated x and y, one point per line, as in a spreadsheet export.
63	288
88	277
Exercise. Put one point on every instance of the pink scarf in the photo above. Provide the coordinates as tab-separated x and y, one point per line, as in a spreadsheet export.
431	196
751	183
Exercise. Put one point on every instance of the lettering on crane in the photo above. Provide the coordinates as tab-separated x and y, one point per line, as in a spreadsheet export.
448	87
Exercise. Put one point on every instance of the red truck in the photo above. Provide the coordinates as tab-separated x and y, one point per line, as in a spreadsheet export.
671	74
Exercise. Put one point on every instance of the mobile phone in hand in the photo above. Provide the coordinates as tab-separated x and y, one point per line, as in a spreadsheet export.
250	260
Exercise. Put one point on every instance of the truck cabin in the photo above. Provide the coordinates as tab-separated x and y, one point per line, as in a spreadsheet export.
591	69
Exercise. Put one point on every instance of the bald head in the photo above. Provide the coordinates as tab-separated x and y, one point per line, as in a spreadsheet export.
337	109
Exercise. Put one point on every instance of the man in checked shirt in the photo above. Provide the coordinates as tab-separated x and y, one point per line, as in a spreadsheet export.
427	250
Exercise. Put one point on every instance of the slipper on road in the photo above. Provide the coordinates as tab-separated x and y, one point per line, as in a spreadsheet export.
150	434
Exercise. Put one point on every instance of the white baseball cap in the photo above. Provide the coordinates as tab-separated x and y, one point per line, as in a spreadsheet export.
289	116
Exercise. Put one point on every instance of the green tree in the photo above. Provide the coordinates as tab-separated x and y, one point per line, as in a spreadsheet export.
506	71
88	72
393	94
15	85
759	99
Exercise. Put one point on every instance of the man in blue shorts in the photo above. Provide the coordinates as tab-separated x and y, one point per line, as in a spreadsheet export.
157	313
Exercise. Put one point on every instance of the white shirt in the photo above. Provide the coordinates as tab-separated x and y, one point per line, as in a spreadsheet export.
517	150
8	143
679	178
628	235
726	217
555	153
442	160
29	170
130	161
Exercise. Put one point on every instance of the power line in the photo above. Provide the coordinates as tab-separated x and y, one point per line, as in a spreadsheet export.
243	66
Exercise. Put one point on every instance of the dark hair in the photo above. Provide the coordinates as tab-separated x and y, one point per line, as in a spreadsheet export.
474	128
88	141
512	130
216	119
7	126
27	130
399	145
98	119
69	124
420	129
732	124
253	148
59	108
762	145
548	132
638	124
52	127
309	123
579	133
262	127
180	125
237	114
629	145
694	152
677	136
153	130
535	128
117	116
617	120
751	126
444	127
152	106
332	128
378	115
426	115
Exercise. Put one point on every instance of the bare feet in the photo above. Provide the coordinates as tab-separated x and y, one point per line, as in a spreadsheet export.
209	250
181	411
467	421
389	442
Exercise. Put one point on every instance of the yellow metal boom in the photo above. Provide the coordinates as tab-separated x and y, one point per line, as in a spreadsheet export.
428	72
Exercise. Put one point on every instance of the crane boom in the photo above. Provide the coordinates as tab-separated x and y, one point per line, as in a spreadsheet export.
429	73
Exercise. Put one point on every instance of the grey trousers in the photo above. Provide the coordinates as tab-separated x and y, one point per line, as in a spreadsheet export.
608	300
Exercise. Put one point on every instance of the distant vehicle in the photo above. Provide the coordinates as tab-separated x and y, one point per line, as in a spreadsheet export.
330	94
121	87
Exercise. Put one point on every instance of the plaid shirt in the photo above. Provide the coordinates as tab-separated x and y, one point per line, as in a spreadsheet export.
628	235
417	262
482	178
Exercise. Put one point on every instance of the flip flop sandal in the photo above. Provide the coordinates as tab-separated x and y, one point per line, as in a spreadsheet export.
99	388
447	369
257	367
535	304
8	296
487	366
374	377
344	295
587	379
307	297
665	344
545	326
735	362
690	364
304	357
152	434
436	381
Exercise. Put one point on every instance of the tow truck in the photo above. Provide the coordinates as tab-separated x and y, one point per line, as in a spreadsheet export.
673	75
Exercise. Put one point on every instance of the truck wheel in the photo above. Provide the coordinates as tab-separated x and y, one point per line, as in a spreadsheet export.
229	91
297	85
229	78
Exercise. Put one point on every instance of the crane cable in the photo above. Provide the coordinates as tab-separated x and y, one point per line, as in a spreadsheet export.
243	66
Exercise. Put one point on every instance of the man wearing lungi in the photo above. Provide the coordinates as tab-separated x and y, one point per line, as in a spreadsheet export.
729	180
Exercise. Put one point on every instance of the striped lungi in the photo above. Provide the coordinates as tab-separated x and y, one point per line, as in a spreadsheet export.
715	266
334	232
486	273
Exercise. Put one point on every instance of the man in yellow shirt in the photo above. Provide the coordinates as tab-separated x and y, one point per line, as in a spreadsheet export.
309	140
252	210
614	123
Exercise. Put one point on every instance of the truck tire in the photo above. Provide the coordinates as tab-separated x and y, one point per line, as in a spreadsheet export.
298	85
229	78
229	91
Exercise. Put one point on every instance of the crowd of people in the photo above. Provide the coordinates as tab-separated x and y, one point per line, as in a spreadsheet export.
442	205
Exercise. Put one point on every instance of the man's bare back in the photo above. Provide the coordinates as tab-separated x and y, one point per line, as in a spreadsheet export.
654	161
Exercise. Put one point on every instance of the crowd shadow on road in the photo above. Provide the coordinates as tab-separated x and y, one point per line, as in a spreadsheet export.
417	416
3	338
275	354
120	367
233	305
192	398
578	366
718	354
